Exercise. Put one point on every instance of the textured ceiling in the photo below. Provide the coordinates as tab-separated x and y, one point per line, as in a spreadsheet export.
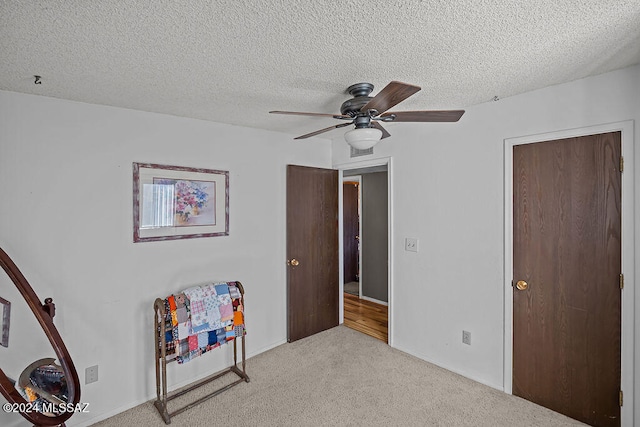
232	61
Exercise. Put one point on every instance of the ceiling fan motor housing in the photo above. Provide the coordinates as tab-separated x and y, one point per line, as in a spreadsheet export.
360	93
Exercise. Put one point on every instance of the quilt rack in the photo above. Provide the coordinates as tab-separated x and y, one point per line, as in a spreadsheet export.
163	356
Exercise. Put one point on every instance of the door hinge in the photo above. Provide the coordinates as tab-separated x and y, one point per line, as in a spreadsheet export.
621	399
621	281
621	164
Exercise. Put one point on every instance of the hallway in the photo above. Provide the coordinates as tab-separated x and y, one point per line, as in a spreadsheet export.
366	317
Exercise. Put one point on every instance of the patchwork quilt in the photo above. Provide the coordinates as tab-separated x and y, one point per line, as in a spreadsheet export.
202	318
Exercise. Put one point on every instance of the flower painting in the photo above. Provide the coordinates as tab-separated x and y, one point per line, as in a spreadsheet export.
179	202
4	327
193	201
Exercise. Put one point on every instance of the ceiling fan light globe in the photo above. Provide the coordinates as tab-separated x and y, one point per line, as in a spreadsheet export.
363	138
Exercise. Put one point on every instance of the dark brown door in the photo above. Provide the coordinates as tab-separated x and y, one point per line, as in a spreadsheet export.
567	248
351	228
312	251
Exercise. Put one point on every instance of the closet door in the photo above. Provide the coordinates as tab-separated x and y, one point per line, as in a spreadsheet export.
566	270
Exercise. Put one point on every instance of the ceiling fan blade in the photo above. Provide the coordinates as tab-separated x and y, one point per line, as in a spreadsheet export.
425	116
318	132
377	125
391	95
297	113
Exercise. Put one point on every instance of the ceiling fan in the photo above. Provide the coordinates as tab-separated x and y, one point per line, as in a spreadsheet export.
366	113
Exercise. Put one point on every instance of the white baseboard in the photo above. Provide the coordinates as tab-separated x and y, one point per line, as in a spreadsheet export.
374	300
454	370
152	396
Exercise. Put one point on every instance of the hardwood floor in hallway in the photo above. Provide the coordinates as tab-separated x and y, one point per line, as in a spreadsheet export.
366	317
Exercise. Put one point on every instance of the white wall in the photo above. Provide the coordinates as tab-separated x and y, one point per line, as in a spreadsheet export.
66	220
448	187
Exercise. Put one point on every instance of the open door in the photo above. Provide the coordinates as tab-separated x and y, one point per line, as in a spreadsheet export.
312	251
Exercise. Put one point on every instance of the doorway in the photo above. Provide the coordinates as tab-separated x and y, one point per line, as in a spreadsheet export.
369	310
572	166
351	234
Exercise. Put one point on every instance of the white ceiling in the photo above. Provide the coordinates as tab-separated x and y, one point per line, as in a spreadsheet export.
232	61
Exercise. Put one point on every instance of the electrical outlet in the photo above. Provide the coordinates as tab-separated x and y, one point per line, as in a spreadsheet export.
466	337
411	244
91	374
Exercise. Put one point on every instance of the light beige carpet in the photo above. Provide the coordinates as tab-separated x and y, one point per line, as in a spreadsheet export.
341	377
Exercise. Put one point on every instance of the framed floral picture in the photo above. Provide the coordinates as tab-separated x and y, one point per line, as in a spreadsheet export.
176	202
6	316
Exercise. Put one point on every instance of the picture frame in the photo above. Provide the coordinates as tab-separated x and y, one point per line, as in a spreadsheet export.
177	202
6	317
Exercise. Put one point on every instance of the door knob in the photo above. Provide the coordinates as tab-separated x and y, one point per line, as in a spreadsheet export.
522	285
294	262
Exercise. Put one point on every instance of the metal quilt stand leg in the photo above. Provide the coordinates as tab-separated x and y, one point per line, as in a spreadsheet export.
162	397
